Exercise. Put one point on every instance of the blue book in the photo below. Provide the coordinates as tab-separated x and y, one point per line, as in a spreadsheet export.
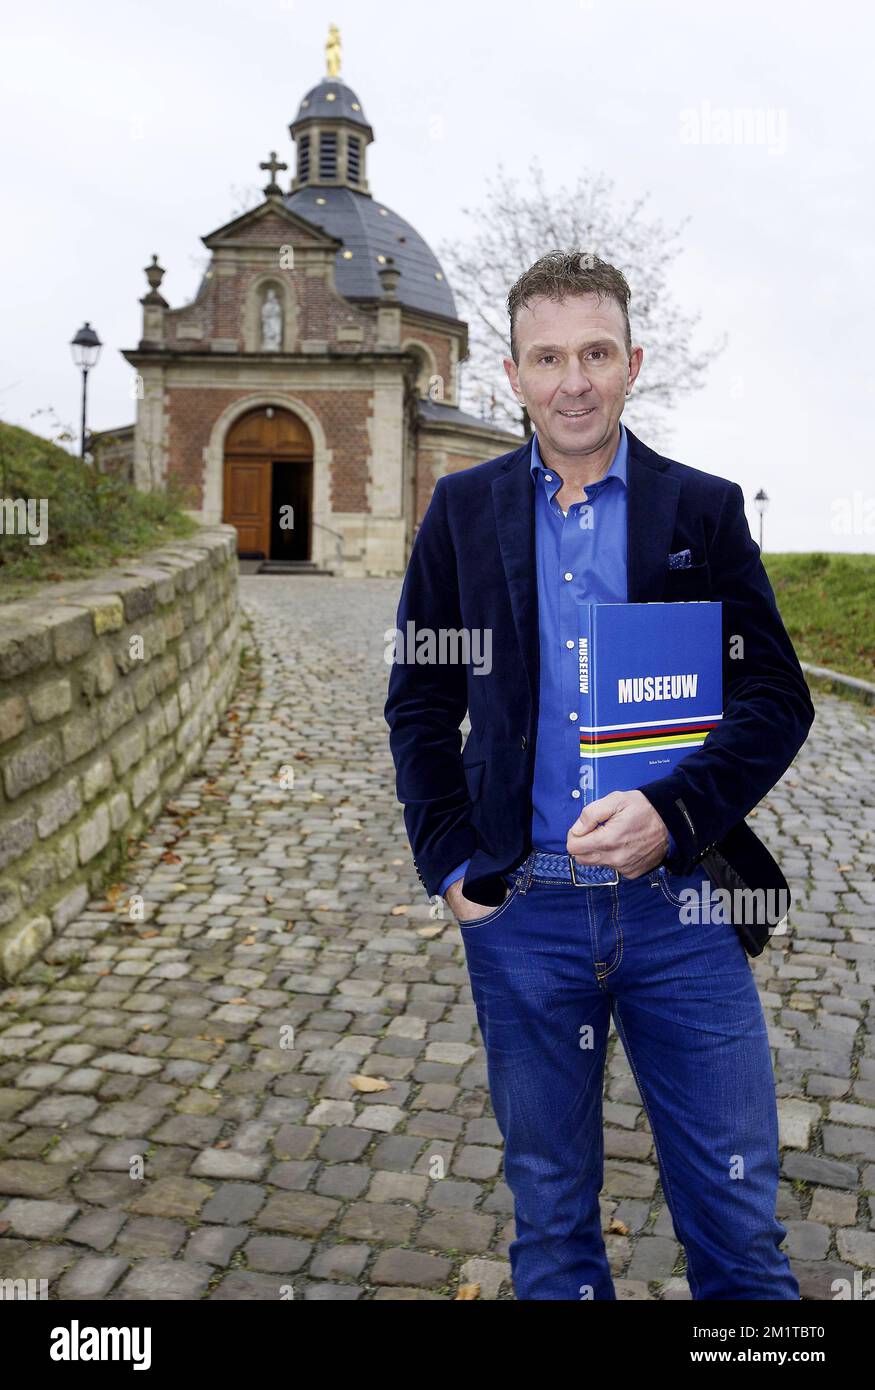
651	689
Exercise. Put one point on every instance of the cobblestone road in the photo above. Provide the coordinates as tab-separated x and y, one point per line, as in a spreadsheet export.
266	1172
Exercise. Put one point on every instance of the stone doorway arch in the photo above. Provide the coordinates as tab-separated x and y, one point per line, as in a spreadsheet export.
268	484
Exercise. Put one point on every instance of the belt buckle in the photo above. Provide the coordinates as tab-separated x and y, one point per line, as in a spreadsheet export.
608	883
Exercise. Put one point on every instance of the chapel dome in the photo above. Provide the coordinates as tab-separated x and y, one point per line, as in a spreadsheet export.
371	232
331	98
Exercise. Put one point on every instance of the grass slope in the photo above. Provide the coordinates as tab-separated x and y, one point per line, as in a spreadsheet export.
827	602
94	520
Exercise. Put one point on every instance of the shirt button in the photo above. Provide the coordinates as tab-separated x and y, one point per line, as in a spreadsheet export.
573	714
568	575
575	793
569	643
548	477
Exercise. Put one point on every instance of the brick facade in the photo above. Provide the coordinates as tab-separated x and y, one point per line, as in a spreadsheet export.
192	413
353	371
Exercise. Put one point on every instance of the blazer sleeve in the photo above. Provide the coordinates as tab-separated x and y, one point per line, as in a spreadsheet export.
426	705
767	709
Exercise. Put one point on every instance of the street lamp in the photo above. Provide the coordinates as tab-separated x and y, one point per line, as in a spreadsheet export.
86	350
761	502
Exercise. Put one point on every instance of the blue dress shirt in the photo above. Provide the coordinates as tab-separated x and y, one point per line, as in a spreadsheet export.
580	558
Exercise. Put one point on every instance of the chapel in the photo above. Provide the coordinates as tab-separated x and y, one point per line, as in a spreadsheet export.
309	393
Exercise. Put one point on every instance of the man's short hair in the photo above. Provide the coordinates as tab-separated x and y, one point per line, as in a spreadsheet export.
560	274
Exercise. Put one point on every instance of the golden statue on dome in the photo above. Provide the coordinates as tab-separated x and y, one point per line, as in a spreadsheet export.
332	52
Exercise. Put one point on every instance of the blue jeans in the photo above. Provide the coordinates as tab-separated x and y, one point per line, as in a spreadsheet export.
549	968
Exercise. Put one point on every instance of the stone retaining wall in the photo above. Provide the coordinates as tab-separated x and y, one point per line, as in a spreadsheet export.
110	689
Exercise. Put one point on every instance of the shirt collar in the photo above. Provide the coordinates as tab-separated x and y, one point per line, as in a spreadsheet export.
616	470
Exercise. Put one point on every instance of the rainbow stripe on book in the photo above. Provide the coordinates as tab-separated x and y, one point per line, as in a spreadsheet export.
609	740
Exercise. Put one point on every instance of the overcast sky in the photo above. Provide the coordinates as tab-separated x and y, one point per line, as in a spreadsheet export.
128	126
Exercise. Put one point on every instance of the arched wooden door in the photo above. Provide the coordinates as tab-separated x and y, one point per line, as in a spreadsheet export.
268	484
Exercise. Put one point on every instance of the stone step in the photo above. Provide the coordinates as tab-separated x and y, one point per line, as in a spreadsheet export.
290	567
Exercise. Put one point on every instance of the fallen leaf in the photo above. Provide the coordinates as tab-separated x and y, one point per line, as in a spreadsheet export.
467	1293
369	1083
429	932
617	1227
241	1000
401	911
170	858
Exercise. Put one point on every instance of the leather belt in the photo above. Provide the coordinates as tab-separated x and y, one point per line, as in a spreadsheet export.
544	865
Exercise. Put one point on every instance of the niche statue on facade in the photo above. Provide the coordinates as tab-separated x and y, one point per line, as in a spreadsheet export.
271	323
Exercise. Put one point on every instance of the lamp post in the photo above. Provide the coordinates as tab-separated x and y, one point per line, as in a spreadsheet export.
86	350
761	502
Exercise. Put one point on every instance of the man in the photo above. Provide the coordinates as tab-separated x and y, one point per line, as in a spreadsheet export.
571	917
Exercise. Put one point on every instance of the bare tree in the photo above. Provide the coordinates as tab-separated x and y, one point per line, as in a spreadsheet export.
61	432
245	197
512	229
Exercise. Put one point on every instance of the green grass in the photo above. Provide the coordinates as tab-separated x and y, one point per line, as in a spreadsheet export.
94	520
827	602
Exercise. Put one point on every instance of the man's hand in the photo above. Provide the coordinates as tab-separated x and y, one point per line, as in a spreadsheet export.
465	909
622	831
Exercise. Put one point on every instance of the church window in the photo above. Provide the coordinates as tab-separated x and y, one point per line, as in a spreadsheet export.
304	158
353	159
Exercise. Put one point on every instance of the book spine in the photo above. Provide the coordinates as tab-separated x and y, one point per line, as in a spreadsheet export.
586	705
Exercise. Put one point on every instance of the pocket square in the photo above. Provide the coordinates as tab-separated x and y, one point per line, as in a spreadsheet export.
681	560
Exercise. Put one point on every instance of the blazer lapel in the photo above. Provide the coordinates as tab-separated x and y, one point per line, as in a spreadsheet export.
513	497
652	499
652	503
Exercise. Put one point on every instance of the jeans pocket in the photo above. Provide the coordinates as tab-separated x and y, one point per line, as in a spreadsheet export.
491	916
683	892
668	892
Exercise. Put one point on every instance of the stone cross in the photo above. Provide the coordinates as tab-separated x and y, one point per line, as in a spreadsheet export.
274	165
